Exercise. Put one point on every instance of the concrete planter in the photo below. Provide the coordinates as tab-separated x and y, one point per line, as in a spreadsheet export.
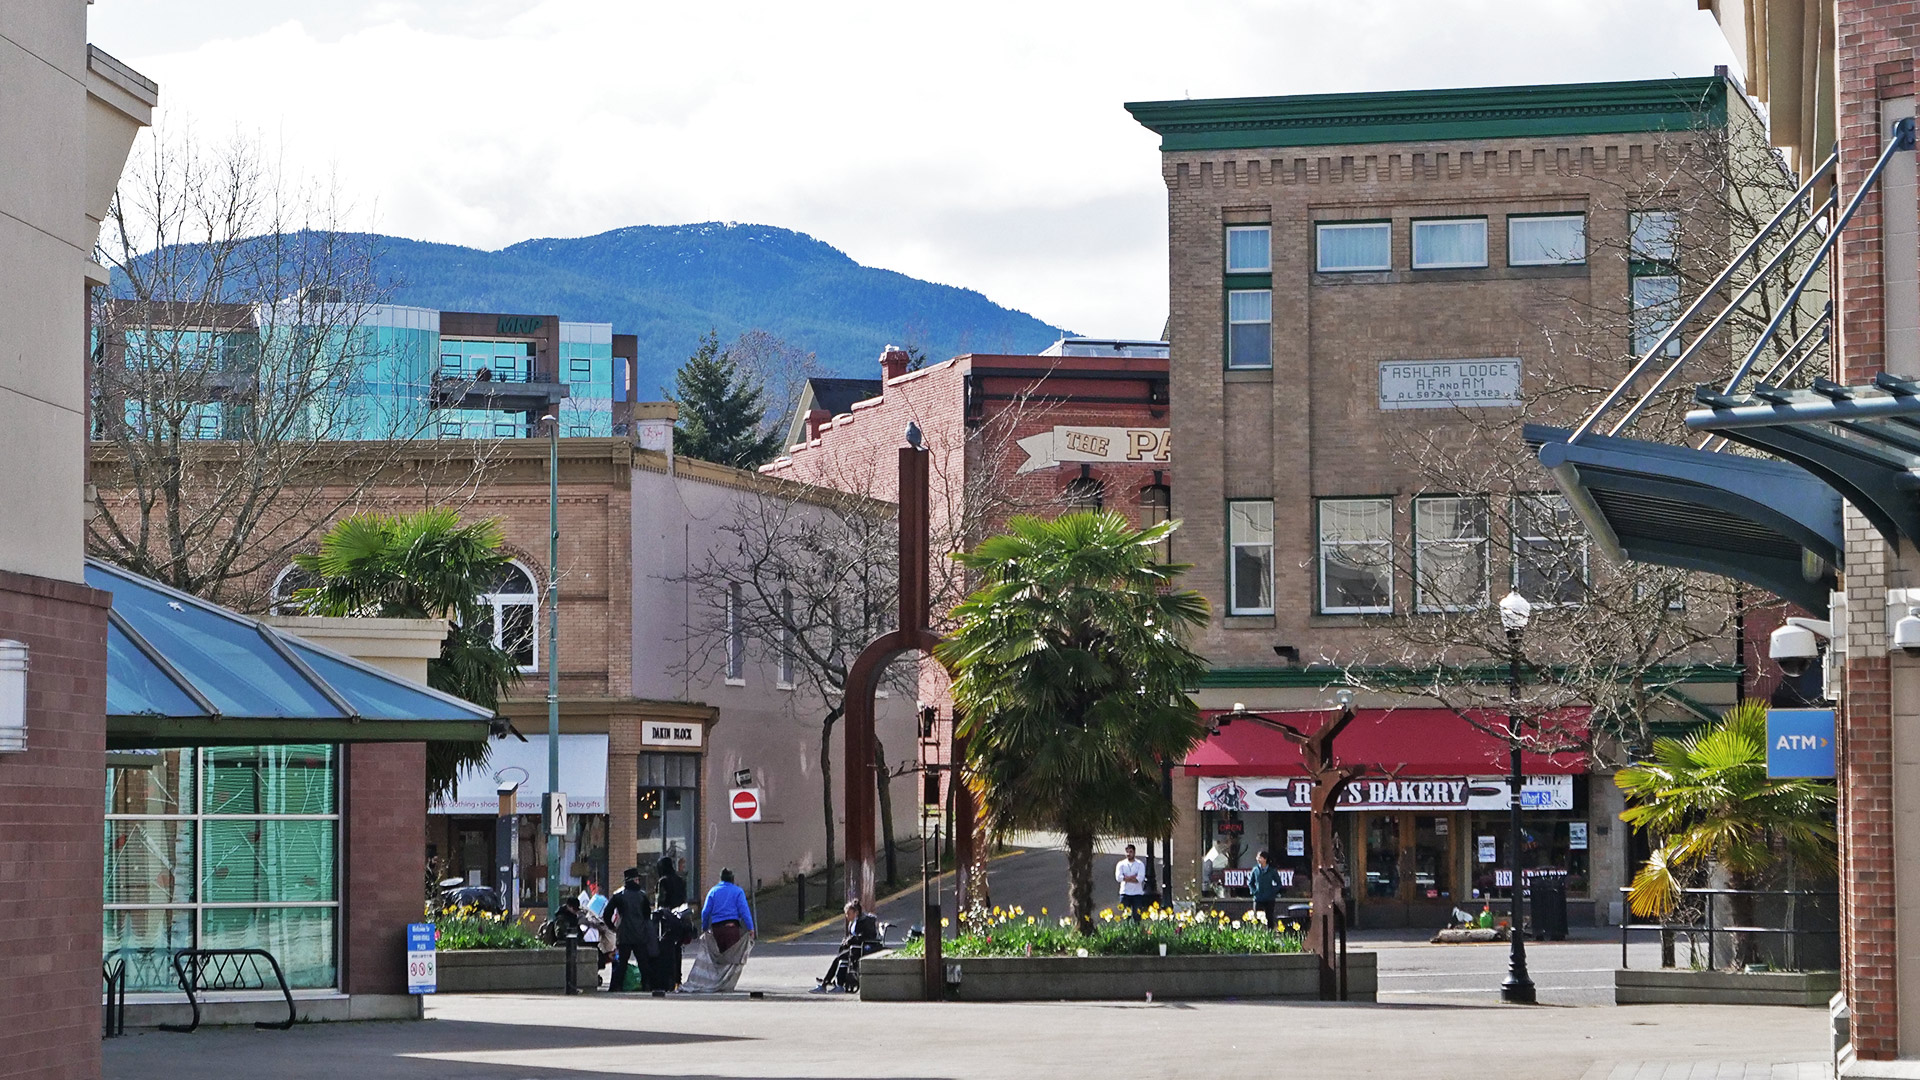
478	971
1293	976
1667	986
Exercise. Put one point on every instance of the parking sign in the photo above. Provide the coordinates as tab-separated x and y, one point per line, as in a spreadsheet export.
423	964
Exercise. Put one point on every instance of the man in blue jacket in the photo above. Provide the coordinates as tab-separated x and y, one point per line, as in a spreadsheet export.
726	912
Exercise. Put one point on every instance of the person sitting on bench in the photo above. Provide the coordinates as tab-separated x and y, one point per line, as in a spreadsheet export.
863	937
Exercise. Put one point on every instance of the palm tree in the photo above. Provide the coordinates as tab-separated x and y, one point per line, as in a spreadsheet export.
1071	671
1707	802
423	565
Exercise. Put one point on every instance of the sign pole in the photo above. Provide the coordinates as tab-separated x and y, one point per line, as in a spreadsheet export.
553	650
753	883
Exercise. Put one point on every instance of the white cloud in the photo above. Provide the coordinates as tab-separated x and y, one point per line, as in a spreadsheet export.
979	144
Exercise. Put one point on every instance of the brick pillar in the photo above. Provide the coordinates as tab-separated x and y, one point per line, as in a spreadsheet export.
893	363
51	816
385	880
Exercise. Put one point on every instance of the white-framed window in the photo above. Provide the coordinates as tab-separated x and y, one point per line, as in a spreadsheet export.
1448	243
1547	240
1250	328
1656	304
288	581
1250	557
736	635
1249	249
1654	236
512	612
1356	556
1450	553
1549	550
788	645
1346	246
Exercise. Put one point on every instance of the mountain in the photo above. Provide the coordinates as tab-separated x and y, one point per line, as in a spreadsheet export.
669	284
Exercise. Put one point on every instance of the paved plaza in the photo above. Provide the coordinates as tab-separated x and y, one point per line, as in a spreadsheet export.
1438	1018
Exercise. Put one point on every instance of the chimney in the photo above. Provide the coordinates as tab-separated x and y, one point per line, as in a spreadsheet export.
893	363
816	419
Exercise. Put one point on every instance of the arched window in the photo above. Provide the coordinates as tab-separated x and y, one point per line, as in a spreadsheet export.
291	580
1084	492
512	611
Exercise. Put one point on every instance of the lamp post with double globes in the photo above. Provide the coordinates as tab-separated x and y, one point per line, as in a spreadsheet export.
1518	988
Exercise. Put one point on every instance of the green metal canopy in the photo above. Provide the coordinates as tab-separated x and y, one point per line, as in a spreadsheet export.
184	672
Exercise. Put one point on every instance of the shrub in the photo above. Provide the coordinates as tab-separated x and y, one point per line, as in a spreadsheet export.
468	927
1013	932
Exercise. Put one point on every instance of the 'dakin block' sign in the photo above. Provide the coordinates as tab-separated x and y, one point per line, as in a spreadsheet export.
1800	744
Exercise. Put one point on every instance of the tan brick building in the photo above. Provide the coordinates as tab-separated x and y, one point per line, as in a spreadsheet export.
1355	281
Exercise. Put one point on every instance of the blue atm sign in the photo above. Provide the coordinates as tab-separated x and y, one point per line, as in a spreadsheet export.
1800	743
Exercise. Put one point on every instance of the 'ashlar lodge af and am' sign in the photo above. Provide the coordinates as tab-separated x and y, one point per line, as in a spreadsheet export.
1448	384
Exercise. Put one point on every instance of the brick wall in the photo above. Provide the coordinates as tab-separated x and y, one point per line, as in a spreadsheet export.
51	818
1312	426
386	840
1873	63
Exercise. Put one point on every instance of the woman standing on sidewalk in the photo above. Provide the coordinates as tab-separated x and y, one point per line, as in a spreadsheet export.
670	895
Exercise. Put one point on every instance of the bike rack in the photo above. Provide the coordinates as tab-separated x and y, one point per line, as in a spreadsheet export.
113	973
227	969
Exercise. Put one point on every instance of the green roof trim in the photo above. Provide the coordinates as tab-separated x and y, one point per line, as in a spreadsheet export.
1488	112
1320	676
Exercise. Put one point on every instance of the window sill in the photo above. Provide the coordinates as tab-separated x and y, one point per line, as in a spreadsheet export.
1249	375
736	682
1345	619
783	686
1247	622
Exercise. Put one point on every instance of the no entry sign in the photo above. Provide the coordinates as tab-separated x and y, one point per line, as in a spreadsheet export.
744	804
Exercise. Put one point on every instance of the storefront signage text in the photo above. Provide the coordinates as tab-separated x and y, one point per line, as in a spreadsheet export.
1151	446
1409	793
659	733
1446	384
518	324
1240	879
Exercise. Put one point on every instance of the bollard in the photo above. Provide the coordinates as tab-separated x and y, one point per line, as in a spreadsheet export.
573	982
801	881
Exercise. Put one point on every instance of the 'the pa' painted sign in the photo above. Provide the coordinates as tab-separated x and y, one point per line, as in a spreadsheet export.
1800	743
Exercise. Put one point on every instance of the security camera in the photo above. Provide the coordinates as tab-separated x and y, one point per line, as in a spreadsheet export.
1795	649
1906	633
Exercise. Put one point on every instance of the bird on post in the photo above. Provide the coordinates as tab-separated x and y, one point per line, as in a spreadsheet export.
913	435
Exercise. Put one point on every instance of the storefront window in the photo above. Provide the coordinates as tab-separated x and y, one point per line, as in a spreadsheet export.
1553	841
1432	862
1383	856
669	813
227	847
1238	837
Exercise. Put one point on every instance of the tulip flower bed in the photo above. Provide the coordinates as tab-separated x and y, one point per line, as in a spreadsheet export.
1013	932
468	927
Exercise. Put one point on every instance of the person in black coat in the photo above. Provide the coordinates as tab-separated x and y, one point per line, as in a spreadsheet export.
631	917
670	893
863	937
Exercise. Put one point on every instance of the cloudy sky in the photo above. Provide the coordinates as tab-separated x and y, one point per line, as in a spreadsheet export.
978	143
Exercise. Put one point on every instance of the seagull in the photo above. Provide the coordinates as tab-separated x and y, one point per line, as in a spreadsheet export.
913	435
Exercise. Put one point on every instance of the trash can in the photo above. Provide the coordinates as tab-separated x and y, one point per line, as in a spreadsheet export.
1547	907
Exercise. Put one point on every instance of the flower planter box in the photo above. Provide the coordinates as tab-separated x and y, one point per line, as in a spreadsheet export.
1284	976
477	971
1666	986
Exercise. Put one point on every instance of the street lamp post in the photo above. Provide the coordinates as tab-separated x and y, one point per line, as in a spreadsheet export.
1518	987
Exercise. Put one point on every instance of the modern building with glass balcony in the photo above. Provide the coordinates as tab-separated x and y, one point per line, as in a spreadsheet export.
358	372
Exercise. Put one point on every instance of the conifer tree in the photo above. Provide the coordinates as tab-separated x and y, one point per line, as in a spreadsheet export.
721	408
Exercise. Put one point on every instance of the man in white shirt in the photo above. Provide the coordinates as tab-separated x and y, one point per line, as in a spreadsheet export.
1131	873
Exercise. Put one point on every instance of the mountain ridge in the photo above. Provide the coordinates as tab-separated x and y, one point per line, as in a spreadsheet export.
668	284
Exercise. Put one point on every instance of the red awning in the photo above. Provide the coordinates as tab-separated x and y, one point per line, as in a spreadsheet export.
1408	742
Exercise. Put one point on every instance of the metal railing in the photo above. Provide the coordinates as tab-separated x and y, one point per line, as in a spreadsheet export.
1693	931
1828	213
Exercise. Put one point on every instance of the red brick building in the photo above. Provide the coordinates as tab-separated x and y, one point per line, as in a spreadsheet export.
1081	425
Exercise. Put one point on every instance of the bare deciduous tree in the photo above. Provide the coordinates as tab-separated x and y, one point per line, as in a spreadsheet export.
233	354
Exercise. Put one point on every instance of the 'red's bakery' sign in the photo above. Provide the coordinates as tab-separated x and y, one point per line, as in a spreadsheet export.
1409	793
